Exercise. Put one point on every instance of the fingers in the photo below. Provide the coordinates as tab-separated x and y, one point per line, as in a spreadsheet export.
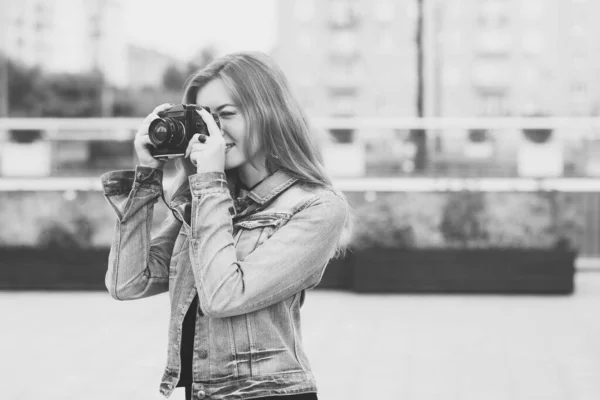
145	125
143	129
196	140
162	107
195	143
144	140
191	143
213	128
195	150
151	117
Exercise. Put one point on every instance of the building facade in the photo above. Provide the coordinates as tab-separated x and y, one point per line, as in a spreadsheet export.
353	58
349	57
67	36
513	58
147	66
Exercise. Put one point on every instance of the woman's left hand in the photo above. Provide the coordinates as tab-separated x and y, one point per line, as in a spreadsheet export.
207	153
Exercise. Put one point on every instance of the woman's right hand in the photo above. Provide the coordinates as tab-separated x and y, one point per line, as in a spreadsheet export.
142	141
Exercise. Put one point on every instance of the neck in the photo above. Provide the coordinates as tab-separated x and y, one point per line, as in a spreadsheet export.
250	176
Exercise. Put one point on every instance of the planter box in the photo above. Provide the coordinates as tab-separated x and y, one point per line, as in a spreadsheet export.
33	268
338	275
373	271
465	271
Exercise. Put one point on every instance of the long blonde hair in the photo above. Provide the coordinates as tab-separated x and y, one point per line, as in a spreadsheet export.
260	89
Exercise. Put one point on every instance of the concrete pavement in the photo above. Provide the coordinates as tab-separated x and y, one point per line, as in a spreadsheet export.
86	346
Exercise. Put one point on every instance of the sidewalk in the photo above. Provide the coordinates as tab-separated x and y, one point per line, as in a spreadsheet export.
86	346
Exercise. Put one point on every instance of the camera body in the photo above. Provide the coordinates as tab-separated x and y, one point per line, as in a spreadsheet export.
175	127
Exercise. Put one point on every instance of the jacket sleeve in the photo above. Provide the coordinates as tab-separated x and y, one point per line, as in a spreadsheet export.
137	265
291	260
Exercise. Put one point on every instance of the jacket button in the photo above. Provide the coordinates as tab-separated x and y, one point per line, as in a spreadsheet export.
202	354
201	394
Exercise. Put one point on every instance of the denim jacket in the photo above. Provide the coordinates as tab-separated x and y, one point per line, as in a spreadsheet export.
249	267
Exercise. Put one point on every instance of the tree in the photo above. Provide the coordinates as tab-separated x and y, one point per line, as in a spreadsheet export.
31	93
173	78
25	89
201	59
73	95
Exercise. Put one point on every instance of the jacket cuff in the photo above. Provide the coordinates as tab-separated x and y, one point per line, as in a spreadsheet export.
208	182
121	182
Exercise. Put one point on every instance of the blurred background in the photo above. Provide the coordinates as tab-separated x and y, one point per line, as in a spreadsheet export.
466	134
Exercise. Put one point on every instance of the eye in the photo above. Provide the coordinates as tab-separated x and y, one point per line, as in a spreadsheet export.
226	114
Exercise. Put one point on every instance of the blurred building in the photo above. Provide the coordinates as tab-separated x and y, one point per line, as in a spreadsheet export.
349	57
512	58
67	36
147	66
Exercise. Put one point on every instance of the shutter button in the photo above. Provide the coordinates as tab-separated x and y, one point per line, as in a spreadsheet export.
201	394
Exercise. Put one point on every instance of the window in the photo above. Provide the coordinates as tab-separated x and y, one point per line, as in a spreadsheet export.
384	11
496	42
304	41
530	108
345	73
386	44
533	43
343	14
344	42
493	105
492	75
342	135
412	11
451	41
579	88
531	75
533	9
343	104
304	10
580	65
493	14
451	76
577	31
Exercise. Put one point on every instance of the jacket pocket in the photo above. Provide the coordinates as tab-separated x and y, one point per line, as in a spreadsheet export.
254	230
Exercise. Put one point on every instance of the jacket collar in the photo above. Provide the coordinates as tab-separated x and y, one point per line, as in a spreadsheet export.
271	186
268	189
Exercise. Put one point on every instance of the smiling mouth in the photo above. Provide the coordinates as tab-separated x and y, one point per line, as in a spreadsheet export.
229	145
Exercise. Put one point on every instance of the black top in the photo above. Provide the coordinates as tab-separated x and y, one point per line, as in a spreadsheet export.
187	344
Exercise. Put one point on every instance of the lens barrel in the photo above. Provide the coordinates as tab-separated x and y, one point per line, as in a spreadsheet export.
166	132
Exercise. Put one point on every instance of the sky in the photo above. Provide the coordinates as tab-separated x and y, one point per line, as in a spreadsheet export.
181	27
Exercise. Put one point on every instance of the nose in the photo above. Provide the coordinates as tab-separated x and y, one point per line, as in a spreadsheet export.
225	135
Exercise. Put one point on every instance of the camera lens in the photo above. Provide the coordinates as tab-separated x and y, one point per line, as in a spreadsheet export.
166	132
160	133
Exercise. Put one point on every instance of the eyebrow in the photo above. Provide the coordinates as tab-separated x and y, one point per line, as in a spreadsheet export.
224	105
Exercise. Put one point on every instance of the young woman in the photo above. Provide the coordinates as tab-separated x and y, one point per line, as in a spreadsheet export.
255	221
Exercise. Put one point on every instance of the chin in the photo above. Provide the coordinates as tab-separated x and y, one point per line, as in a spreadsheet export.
233	162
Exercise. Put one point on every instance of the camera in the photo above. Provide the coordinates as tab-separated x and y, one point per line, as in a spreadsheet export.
172	131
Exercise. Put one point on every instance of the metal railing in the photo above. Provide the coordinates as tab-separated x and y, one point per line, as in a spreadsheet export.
372	155
386	147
